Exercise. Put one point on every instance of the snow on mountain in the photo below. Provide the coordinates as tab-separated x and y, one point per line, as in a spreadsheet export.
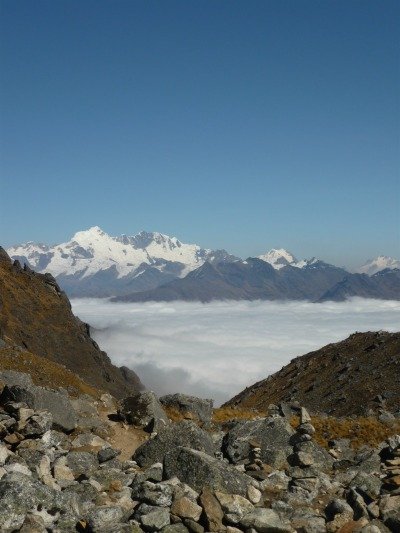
278	258
379	263
92	252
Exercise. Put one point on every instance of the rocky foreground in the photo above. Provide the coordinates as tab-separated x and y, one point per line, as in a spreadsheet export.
86	464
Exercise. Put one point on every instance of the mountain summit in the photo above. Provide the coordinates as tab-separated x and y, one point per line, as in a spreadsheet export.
94	263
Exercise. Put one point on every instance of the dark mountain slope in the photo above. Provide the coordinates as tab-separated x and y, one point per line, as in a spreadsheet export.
36	315
252	279
343	379
384	285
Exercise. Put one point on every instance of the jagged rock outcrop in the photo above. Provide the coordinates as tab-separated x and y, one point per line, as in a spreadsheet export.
35	314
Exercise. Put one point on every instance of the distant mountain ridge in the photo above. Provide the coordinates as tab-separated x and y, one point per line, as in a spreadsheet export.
152	265
95	264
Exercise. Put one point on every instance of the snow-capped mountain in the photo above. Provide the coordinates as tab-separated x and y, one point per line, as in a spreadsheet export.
93	263
379	263
279	258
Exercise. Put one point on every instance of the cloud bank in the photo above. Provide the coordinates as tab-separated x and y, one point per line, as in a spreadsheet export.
215	350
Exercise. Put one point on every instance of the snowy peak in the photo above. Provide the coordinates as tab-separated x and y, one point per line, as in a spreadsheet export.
93	251
278	258
379	263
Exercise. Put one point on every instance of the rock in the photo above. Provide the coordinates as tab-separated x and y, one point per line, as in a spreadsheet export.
106	454
144	410
272	434
310	454
159	494
186	508
234	506
265	521
89	439
197	409
253	494
305	418
82	463
40	398
193	526
100	518
18	494
155	519
367	484
213	514
37	424
175	528
199	470
62	472
275	482
183	433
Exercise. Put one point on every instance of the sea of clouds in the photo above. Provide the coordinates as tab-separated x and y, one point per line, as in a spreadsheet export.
215	350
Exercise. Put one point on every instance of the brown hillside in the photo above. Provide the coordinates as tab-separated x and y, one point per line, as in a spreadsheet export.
36	315
350	377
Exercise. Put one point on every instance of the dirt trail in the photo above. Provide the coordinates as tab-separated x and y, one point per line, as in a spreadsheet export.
122	436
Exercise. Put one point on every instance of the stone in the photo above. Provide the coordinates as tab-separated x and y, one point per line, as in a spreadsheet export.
367	484
159	494
213	514
198	470
186	508
265	521
155	519
175	528
37	424
234	506
304	416
103	517
82	463
253	494
41	398
106	454
272	435
185	433
61	470
144	410
191	407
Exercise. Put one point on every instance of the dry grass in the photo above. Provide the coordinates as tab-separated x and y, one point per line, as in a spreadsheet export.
361	430
44	372
225	414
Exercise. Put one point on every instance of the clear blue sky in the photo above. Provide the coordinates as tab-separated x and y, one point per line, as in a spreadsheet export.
236	124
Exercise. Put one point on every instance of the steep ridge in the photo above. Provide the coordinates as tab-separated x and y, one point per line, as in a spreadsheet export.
252	279
35	314
384	285
351	377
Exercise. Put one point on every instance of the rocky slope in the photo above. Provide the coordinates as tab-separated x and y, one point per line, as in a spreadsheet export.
351	377
36	315
62	470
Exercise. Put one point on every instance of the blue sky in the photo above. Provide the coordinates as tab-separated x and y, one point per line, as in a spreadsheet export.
237	124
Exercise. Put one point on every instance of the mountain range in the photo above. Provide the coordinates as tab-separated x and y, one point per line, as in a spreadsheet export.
154	266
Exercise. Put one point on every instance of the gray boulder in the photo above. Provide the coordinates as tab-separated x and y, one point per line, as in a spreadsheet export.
265	521
103	517
19	388
144	410
199	470
183	433
272	435
190	407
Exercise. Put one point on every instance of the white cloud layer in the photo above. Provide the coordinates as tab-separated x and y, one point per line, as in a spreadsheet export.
217	349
